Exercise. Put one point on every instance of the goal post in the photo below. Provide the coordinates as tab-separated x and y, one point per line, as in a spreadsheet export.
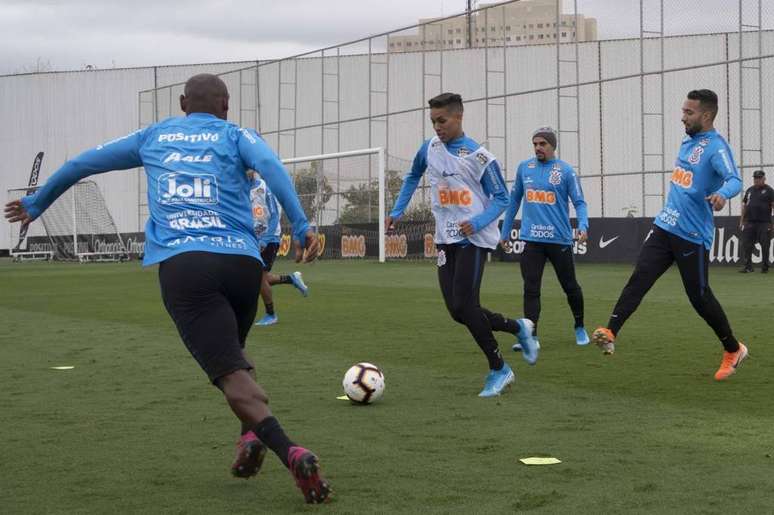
344	191
77	226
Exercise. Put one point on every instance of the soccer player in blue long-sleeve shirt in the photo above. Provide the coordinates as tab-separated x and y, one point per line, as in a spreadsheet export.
468	195
266	224
200	231
547	185
704	177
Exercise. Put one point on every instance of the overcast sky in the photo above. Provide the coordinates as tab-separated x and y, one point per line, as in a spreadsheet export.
70	34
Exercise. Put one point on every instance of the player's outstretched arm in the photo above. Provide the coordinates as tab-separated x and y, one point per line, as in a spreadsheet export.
120	154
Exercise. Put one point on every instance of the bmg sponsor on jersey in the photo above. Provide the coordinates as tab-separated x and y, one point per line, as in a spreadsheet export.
682	177
179	187
541	197
449	197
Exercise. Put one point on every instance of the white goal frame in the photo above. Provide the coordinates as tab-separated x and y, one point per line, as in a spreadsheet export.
379	152
71	199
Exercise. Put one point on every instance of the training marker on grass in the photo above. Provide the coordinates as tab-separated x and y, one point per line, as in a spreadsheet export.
67	367
539	461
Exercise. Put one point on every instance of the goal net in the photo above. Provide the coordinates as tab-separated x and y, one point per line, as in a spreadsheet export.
77	226
343	196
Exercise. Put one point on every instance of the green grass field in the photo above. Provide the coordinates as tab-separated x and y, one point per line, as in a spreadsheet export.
136	428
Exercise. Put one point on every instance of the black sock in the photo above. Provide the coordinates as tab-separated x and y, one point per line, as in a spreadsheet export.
270	308
284	279
495	360
578	321
730	344
510	325
271	434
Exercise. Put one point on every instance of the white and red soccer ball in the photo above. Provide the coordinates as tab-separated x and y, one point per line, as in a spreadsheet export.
364	383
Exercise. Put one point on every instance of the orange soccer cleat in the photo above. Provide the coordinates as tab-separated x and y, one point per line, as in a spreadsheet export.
731	360
604	338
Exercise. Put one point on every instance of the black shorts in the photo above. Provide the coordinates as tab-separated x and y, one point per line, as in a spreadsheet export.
268	255
212	299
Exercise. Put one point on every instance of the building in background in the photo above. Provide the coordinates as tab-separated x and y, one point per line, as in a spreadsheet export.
530	22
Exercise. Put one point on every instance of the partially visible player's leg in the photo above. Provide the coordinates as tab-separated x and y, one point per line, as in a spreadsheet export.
268	255
270	318
446	263
466	303
532	263
562	259
763	238
654	259
693	260
748	242
213	300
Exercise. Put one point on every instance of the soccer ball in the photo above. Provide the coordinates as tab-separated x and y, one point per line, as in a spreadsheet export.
364	383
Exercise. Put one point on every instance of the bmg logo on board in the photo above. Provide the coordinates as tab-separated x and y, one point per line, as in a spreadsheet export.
179	188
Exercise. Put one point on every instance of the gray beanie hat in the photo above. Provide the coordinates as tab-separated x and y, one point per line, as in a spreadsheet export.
548	133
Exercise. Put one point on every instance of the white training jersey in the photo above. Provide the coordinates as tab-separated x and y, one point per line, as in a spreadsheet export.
457	194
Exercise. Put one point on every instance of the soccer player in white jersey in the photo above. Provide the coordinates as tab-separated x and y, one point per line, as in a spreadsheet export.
468	195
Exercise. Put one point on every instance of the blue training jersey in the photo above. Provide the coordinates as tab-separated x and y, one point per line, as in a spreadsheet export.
492	182
266	212
546	188
705	165
198	188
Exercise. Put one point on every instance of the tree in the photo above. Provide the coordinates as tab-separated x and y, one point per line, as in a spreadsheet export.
363	201
313	192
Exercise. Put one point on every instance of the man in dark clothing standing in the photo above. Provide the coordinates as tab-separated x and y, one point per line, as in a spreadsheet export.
755	222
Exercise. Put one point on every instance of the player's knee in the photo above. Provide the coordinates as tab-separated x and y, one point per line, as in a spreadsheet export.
532	292
573	290
240	388
459	311
456	315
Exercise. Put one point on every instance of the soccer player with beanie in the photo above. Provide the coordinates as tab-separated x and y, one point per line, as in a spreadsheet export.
704	178
546	186
468	195
200	232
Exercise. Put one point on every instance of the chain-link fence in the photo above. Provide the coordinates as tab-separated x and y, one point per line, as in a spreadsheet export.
612	82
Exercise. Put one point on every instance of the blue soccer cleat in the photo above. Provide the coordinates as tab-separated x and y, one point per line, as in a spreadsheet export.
497	380
298	282
517	346
526	342
581	336
268	320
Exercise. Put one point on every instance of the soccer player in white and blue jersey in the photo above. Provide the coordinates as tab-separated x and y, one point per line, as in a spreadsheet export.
266	224
200	232
704	178
468	195
547	185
